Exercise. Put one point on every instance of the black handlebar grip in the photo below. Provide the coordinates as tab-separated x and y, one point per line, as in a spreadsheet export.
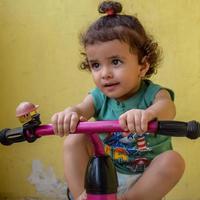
179	129
3	138
193	130
10	136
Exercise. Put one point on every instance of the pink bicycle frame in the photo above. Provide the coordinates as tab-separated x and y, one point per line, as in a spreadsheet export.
92	128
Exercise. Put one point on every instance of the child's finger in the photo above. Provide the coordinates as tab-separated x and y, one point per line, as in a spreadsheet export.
131	123
138	123
60	124
74	122
82	119
123	122
54	119
144	124
66	125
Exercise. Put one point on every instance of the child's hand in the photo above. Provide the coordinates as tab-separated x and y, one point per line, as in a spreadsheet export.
135	120
65	122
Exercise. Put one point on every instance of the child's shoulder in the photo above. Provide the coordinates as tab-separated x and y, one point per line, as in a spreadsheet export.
151	89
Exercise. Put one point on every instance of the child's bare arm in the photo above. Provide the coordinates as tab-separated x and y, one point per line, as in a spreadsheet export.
136	120
66	121
163	107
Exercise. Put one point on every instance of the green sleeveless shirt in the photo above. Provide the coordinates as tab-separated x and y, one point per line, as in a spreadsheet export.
125	151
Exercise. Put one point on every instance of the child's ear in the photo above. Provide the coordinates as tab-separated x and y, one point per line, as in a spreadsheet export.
144	67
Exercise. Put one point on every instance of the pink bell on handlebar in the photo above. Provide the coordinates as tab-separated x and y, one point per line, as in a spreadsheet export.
25	111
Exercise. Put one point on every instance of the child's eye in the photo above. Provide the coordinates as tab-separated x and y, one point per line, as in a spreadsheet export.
116	62
95	66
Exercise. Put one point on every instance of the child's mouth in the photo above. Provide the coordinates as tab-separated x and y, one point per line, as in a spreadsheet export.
111	86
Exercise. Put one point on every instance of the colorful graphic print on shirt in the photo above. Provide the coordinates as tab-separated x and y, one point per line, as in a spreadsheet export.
128	152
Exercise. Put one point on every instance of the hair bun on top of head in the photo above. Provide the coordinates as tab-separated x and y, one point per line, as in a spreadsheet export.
110	7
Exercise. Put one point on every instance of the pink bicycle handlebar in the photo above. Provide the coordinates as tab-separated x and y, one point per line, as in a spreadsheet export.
30	133
93	127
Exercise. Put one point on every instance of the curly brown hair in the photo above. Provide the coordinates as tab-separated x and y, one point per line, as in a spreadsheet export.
125	28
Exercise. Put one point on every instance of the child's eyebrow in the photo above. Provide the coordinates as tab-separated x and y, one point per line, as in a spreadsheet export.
92	60
109	58
114	57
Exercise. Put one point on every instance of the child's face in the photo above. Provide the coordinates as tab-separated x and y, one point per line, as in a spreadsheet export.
115	68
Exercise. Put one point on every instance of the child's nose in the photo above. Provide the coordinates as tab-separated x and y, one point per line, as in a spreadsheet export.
106	73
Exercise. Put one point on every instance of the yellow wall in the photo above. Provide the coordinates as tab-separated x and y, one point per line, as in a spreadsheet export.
39	56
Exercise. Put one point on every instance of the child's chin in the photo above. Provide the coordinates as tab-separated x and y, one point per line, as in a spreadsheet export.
112	96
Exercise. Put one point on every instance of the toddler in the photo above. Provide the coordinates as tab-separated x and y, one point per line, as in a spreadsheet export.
121	58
